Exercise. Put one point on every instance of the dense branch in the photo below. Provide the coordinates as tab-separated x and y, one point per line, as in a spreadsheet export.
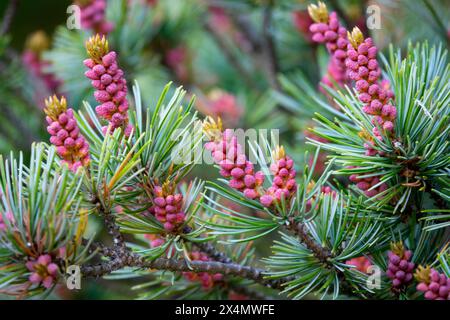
122	257
321	253
212	252
110	223
209	249
99	248
134	260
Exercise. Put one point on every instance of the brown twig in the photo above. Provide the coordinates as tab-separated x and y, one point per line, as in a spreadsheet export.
134	260
99	247
321	253
121	257
110	223
212	252
209	249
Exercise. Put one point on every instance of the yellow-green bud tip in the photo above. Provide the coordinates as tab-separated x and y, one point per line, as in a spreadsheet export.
422	274
54	106
279	153
212	128
355	37
319	12
97	47
398	248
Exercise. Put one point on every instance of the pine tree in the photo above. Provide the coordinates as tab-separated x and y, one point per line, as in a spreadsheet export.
373	223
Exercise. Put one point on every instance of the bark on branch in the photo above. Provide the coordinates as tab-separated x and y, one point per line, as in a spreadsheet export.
321	253
212	252
176	265
110	223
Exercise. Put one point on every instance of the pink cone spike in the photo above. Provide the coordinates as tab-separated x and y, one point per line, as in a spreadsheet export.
71	146
93	16
335	74
207	280
283	185
363	68
44	272
228	154
434	285
168	206
328	30
400	268
111	87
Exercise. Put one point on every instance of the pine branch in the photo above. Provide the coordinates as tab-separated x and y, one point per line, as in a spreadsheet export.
122	257
212	252
133	260
99	247
219	256
321	253
209	249
110	223
101	269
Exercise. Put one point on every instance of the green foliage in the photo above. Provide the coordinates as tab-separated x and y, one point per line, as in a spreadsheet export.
39	206
422	92
302	245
